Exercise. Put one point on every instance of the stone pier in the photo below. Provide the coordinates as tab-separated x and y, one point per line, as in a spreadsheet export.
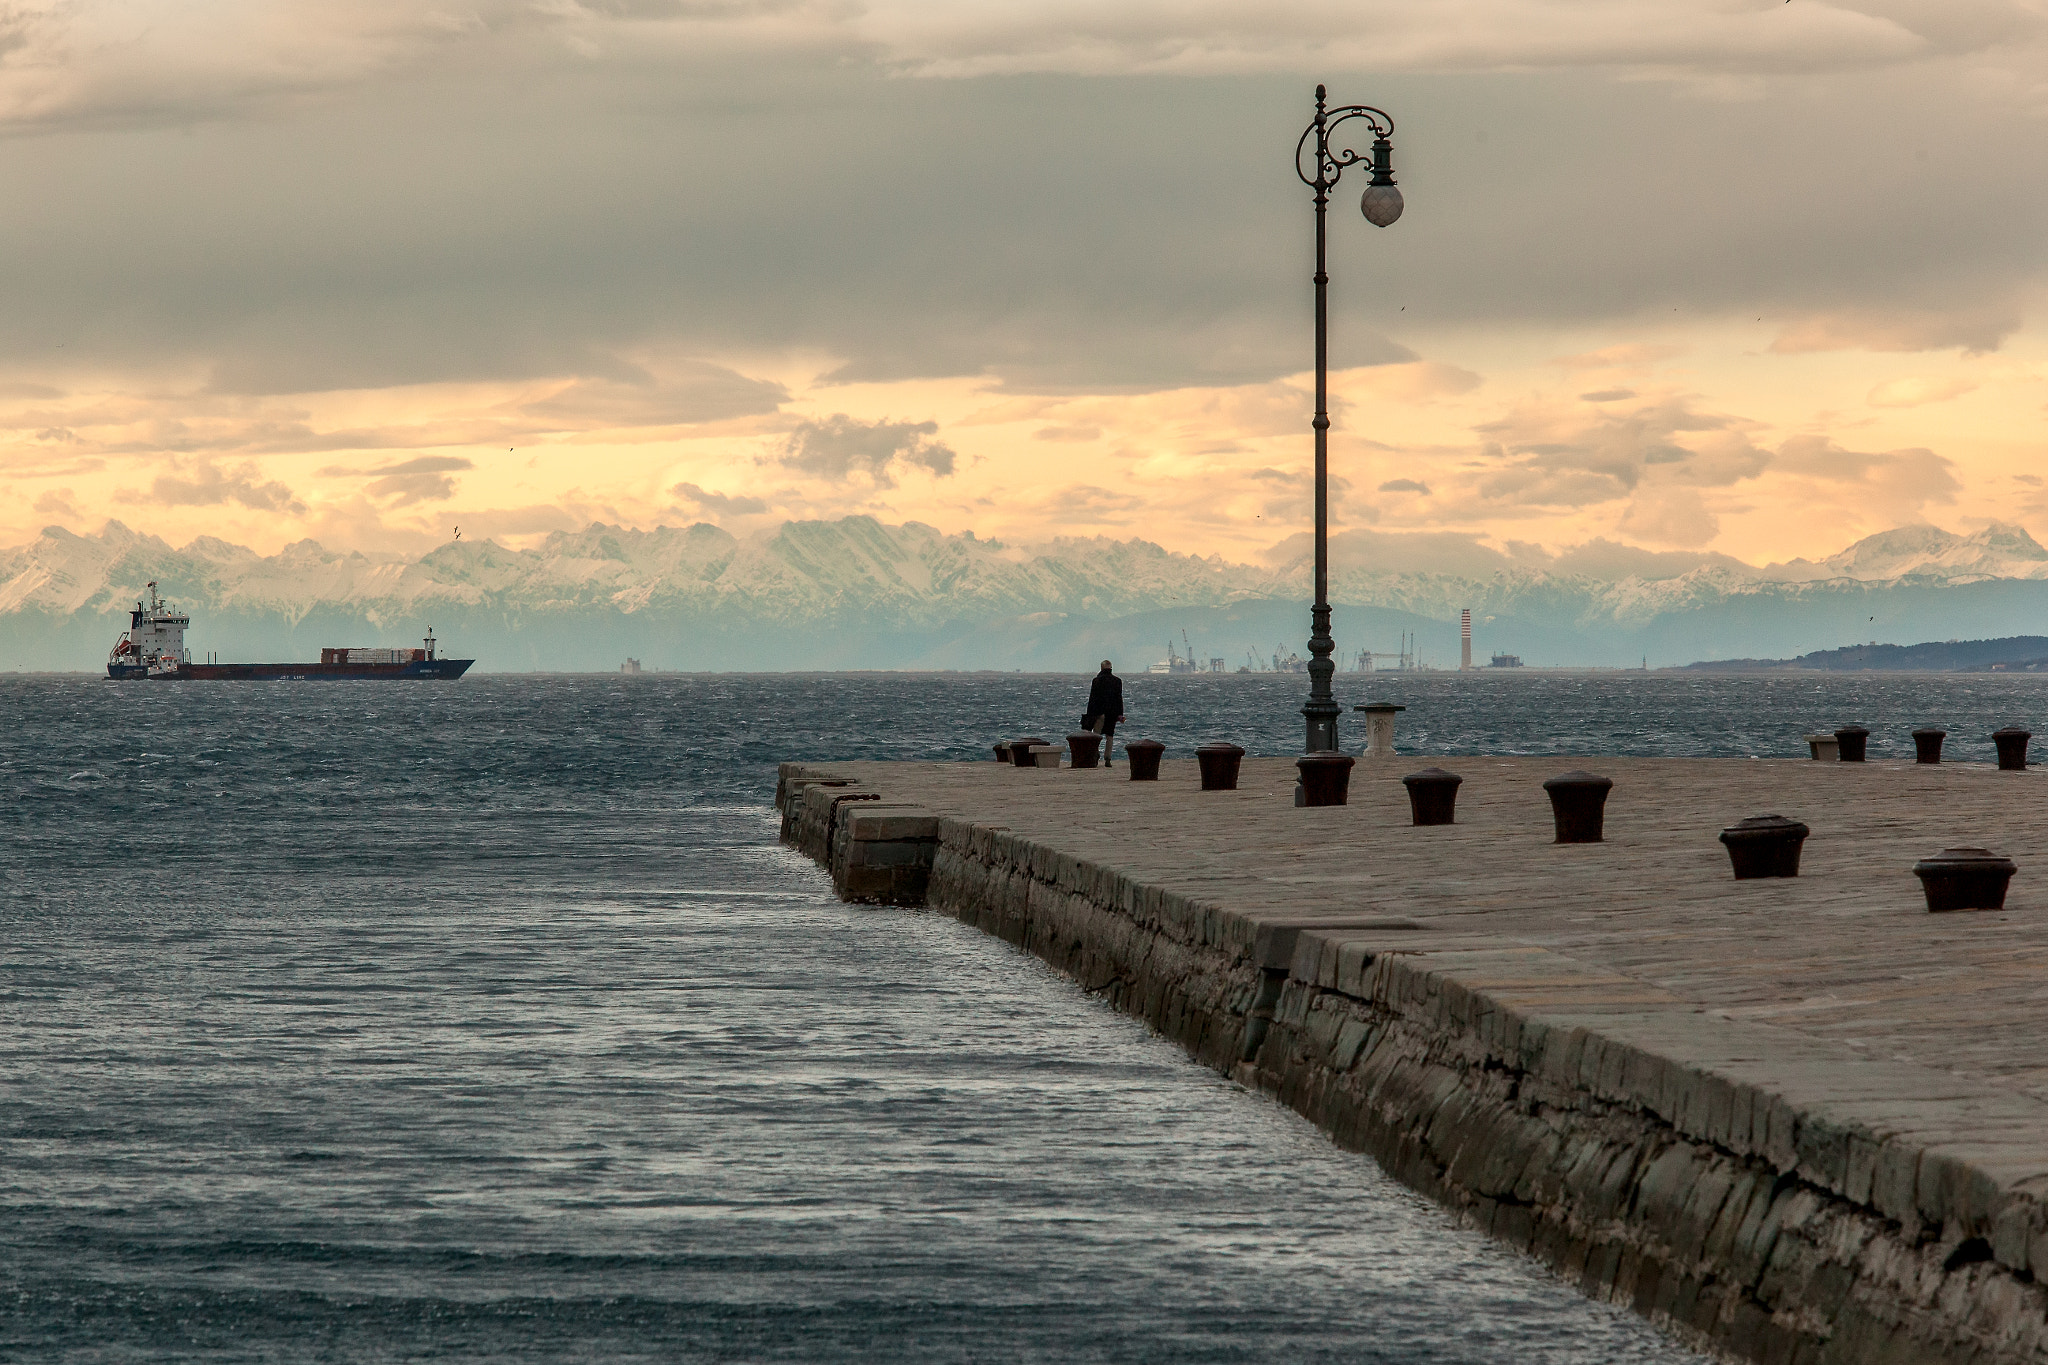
1793	1120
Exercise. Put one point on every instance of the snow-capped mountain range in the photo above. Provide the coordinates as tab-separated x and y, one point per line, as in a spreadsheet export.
858	593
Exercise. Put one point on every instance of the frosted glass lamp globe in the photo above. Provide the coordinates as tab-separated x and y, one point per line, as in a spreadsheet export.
1381	204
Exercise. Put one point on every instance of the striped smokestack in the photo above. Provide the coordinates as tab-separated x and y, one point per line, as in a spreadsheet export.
1464	639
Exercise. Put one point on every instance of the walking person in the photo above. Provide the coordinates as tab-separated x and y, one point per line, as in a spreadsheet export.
1105	708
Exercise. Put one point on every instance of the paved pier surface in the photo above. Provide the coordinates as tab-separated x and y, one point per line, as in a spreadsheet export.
1801	1119
1846	951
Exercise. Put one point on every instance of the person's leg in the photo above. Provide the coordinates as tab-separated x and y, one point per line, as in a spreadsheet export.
1108	738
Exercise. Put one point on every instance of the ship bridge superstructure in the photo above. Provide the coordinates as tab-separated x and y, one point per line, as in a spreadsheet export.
154	640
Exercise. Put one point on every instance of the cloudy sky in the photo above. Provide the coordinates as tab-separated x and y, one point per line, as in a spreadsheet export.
1745	276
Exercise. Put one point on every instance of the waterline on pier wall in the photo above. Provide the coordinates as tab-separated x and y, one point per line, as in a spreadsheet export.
1540	1097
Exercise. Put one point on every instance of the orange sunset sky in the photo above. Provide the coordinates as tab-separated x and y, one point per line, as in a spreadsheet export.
1743	278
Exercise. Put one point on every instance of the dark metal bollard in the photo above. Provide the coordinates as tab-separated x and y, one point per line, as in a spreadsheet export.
1965	879
1433	796
1927	745
1003	751
1852	739
1578	802
1020	751
1325	778
1084	749
1219	766
1142	758
2012	746
1764	846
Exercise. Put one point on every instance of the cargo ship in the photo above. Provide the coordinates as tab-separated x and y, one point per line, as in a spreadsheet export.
153	647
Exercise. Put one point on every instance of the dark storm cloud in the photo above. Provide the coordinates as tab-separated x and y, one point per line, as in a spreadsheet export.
694	393
718	504
202	483
1545	456
538	212
422	479
840	446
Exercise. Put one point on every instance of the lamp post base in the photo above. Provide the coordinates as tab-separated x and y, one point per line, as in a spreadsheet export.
1322	726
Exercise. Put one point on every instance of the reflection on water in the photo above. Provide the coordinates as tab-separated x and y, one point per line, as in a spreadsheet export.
487	1021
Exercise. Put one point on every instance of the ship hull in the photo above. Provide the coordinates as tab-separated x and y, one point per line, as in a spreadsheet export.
418	668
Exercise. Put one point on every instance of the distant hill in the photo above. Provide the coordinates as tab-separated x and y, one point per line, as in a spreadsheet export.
2014	653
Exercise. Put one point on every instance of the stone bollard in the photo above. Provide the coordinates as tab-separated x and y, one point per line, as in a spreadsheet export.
1219	766
1044	756
1965	879
1927	745
1020	751
1852	740
1379	727
1142	758
2012	747
1822	747
1084	749
1764	846
1433	796
1578	803
1325	778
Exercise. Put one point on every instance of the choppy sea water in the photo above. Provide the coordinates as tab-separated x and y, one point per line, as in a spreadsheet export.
487	1021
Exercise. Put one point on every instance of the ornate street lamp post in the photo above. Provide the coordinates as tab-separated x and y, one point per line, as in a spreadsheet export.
1381	206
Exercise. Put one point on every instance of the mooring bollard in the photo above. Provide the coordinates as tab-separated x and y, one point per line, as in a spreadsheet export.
1219	766
2012	747
1578	803
1142	758
1379	727
1325	778
1084	749
1965	879
1927	745
1433	796
1764	846
1823	747
1003	751
1852	739
1020	751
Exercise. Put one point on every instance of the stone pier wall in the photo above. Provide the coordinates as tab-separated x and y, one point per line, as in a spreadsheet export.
1709	1173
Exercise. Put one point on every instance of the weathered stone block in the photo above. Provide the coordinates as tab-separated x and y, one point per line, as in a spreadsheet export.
892	822
1823	1150
1722	1175
1351	1040
1748	1197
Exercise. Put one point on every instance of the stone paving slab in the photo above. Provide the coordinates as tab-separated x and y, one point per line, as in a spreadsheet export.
1650	920
1805	1120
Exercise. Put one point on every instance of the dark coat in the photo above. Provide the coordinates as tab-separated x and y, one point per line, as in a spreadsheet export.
1105	698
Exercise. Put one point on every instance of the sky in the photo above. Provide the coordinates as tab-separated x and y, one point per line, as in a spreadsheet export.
1707	277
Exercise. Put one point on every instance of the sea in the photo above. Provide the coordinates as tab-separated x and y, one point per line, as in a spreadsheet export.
488	1021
